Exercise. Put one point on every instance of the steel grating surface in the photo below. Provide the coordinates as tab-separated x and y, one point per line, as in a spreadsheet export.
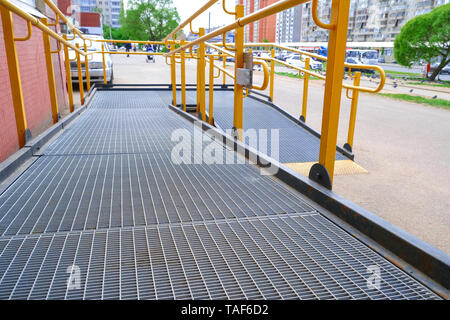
191	97
107	197
290	257
295	143
92	192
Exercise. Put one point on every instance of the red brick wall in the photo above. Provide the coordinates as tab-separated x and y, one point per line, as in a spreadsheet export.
33	73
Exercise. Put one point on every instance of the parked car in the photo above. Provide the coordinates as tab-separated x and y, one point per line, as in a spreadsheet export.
284	55
356	62
279	56
444	71
265	55
95	61
295	61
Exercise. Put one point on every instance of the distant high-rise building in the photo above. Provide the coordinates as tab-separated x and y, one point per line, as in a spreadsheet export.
369	20
85	5
261	30
110	11
289	23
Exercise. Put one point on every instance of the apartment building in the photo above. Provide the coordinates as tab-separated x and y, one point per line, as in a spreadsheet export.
110	11
369	20
264	29
289	23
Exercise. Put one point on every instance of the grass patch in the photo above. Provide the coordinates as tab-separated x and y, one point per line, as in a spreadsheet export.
406	97
443	85
401	73
294	75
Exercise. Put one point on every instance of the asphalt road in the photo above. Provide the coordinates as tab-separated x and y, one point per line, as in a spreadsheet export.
404	146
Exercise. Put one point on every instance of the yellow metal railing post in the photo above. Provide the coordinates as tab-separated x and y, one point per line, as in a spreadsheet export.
14	76
354	107
211	90
224	65
80	75
198	83
173	75
183	77
50	73
104	64
305	91
239	63
202	96
68	75
272	73
86	68
323	171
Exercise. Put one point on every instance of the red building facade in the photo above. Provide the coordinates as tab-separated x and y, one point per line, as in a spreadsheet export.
264	29
33	72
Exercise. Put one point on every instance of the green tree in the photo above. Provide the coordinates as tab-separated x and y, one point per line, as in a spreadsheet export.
149	19
425	37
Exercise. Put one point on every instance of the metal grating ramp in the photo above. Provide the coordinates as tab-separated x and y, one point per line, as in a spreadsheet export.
107	197
258	115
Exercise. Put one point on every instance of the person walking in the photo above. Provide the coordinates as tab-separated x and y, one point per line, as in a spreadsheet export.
128	48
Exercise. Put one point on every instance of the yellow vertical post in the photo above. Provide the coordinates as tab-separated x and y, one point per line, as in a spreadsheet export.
272	73
68	75
104	64
173	75
202	96
198	83
224	65
354	107
80	75
239	63
333	85
211	90
183	77
50	73
14	76
86	68
305	91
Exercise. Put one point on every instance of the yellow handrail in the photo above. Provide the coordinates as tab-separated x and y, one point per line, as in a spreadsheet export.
319	57
316	19
128	41
61	15
225	9
34	21
266	74
28	36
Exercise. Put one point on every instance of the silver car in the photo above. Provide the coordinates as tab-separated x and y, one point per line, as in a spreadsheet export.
95	61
